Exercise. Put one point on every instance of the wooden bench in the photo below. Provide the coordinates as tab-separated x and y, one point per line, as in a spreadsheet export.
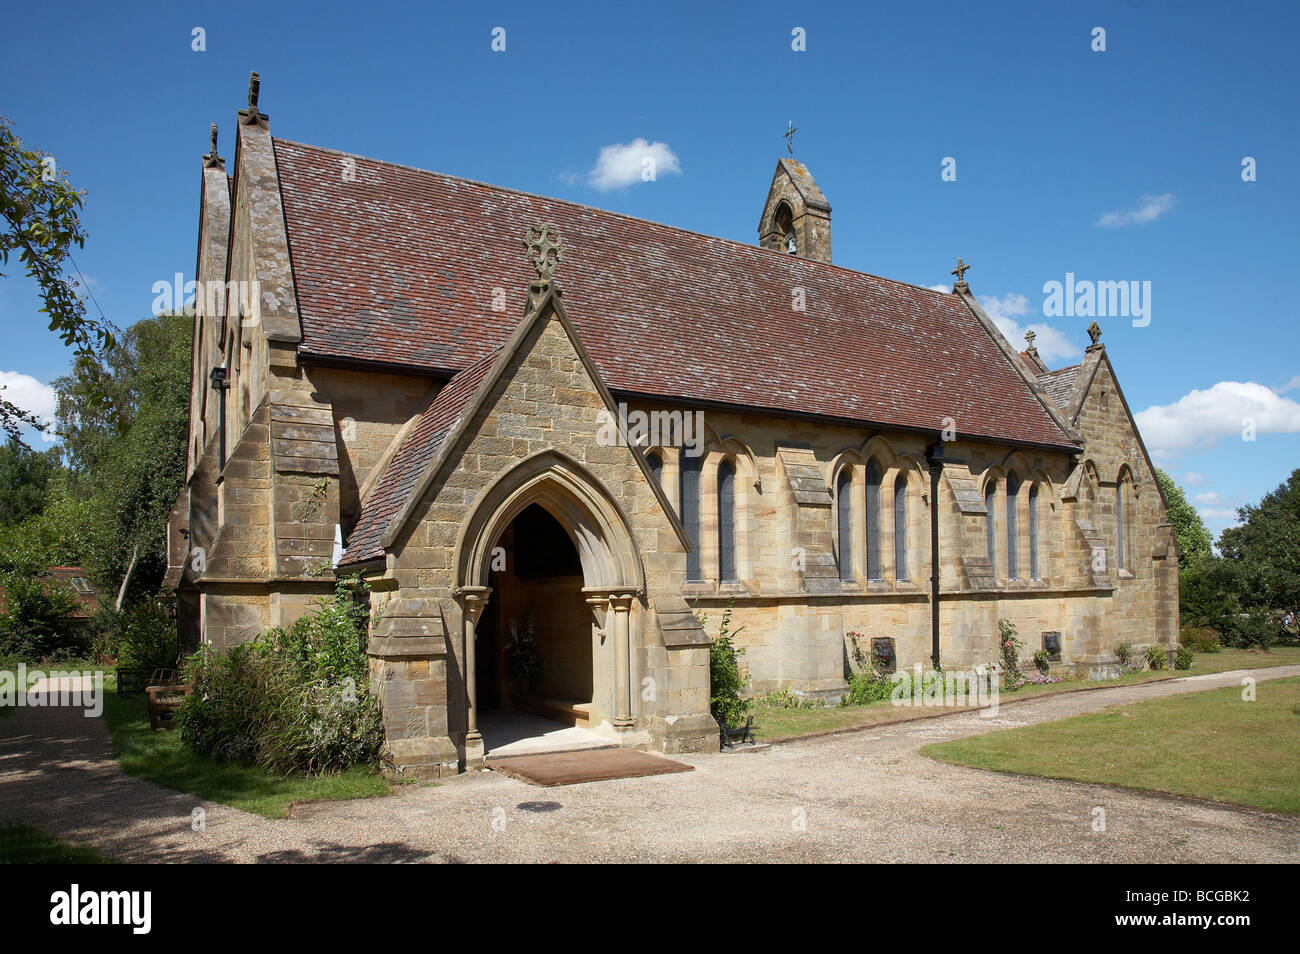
166	692
163	703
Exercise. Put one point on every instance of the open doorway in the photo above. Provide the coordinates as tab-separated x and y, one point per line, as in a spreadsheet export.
534	652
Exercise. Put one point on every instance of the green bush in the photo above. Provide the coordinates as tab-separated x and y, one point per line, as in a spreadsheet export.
784	698
868	686
726	683
1010	645
37	621
145	635
1124	653
1042	660
1200	639
1157	658
296	700
1254	629
1183	658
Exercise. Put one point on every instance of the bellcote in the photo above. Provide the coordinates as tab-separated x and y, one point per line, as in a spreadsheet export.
796	218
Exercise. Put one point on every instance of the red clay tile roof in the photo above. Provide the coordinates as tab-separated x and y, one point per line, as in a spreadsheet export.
418	449
399	265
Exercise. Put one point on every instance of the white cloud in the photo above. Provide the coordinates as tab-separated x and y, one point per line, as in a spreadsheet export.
1147	210
1199	419
1193	479
624	164
1052	344
37	399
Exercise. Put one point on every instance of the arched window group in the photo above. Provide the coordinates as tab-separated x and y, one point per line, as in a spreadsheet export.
861	542
708	486
1012	527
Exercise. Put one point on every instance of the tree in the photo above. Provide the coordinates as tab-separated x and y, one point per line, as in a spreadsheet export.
1261	556
39	210
128	460
60	535
24	479
1189	530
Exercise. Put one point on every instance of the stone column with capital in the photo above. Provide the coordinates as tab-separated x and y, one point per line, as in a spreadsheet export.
473	601
621	604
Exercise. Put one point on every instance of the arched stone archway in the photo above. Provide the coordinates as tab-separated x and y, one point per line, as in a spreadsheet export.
613	576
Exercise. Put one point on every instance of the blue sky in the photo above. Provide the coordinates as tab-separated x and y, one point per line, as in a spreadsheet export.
1122	165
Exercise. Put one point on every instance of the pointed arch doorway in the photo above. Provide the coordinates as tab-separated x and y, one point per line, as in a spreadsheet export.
534	650
547	543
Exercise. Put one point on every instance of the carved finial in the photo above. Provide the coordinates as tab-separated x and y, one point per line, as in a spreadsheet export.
791	129
212	160
251	115
960	271
545	250
1094	332
1030	335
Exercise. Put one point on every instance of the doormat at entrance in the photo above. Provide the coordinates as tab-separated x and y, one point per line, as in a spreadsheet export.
592	765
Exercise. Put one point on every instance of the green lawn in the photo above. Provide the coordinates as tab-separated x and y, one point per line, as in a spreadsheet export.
1208	744
161	758
772	724
25	845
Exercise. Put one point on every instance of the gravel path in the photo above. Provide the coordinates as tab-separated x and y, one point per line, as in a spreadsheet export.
862	796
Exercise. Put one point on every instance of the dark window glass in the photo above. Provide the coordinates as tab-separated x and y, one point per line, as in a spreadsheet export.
656	464
991	522
1119	525
1013	528
1033	533
727	522
844	522
690	504
873	521
900	528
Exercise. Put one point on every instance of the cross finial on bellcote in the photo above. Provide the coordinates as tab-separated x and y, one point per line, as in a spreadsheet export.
791	129
1094	332
960	271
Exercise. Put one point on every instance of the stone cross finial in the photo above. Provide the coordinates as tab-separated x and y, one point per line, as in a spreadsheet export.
545	250
1094	332
1030	335
212	159
251	116
791	129
960	271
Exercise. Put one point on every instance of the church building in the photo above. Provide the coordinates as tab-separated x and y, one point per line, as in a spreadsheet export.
551	438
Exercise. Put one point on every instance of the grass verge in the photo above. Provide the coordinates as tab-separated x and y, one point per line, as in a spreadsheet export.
1208	744
25	845
160	757
774	724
